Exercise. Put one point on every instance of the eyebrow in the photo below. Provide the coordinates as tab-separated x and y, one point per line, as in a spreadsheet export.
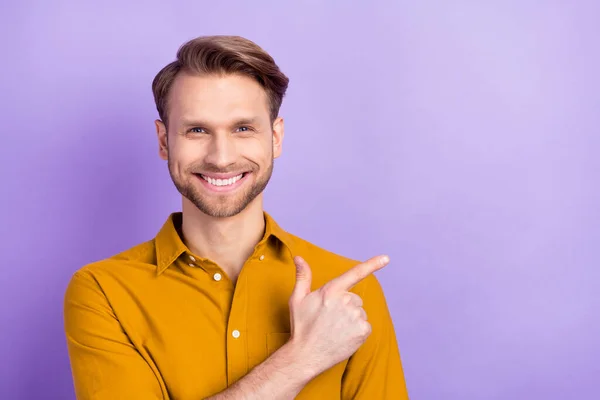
198	122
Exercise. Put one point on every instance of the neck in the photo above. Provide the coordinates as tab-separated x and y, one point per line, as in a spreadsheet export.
228	242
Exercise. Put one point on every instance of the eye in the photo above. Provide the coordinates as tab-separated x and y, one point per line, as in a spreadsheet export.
197	130
244	128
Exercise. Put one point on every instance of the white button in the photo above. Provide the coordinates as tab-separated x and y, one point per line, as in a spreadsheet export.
235	334
191	265
217	276
192	258
261	257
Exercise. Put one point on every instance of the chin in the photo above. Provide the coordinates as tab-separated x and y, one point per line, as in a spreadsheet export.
221	208
220	211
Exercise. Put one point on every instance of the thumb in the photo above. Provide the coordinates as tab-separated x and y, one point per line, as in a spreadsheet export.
303	279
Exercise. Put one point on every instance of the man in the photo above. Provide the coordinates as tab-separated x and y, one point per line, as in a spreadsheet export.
223	303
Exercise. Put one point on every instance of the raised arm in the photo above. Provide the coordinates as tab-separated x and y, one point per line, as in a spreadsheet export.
328	325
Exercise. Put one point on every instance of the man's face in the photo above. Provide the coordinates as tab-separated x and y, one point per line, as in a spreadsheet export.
219	143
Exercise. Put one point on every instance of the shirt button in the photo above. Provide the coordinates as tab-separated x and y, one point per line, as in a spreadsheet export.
192	258
235	333
261	257
191	265
217	276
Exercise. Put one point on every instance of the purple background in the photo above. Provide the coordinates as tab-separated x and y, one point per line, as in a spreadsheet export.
461	139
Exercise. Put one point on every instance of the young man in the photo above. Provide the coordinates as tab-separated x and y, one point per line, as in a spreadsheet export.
223	303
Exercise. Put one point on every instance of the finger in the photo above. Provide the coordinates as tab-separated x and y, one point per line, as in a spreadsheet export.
363	313
351	277
367	329
353	299
303	279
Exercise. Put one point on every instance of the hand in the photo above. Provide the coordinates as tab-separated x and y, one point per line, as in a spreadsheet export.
329	324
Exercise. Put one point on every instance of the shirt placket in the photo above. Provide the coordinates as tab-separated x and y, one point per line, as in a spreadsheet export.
237	331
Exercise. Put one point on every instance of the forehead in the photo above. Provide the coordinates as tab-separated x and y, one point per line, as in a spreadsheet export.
216	98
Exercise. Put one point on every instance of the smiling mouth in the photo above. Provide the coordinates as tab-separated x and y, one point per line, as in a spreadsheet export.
222	182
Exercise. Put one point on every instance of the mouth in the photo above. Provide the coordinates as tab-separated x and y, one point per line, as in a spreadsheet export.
221	184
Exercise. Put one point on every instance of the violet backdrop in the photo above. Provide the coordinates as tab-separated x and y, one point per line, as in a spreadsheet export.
459	137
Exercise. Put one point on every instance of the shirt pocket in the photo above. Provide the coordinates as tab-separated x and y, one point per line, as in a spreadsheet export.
275	340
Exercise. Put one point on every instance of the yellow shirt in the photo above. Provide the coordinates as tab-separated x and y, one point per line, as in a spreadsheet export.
158	322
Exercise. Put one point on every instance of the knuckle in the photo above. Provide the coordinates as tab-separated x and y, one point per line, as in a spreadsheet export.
328	294
327	298
359	300
326	290
347	298
367	329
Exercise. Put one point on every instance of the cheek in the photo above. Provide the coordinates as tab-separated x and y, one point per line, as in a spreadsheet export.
262	157
260	150
178	165
185	156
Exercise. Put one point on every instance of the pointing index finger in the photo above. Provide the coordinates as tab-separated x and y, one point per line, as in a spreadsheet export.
358	273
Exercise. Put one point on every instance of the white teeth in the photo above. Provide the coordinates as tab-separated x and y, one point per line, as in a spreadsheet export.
222	182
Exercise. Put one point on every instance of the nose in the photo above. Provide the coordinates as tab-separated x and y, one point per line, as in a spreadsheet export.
221	151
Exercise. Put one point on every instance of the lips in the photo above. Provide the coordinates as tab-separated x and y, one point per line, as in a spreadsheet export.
225	181
221	185
227	175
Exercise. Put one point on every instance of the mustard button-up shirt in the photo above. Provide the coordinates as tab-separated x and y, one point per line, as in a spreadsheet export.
158	322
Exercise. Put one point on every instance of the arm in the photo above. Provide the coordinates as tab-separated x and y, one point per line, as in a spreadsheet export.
104	363
375	370
281	376
327	327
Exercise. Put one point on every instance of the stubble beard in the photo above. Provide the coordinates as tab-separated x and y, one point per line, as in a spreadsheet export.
220	205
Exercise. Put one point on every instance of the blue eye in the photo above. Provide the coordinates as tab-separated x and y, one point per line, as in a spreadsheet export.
196	130
244	127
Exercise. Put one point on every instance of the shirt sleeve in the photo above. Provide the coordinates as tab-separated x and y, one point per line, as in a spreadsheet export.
374	371
104	363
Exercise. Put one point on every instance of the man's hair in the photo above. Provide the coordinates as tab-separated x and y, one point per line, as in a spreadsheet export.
222	55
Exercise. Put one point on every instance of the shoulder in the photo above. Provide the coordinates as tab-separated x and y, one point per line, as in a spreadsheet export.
94	284
326	265
138	258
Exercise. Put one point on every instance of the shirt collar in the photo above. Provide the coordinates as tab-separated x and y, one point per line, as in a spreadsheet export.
169	245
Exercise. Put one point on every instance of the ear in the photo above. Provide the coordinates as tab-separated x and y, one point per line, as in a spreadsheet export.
161	133
278	133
